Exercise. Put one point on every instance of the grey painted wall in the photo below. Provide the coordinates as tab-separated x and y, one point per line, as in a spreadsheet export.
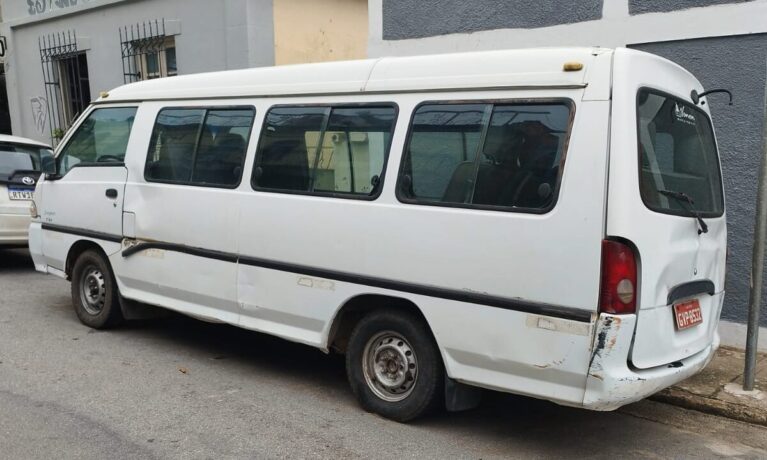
736	63
655	6
221	35
425	18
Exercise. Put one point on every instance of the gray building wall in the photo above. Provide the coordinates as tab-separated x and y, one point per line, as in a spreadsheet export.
739	64
658	6
722	42
423	18
209	36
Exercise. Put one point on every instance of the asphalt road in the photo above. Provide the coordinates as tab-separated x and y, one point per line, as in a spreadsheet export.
179	388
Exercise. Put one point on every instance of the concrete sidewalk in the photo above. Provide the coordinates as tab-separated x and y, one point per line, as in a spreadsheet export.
718	389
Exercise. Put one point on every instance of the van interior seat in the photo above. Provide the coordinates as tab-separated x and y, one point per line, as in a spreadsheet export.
514	167
219	158
176	149
284	165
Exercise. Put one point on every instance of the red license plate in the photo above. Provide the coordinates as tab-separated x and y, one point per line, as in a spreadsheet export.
687	314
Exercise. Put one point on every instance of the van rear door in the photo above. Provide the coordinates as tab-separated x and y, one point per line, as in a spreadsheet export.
665	197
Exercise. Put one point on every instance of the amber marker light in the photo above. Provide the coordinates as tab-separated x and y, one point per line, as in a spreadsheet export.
572	66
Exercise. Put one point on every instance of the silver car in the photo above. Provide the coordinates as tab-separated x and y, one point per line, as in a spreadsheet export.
21	163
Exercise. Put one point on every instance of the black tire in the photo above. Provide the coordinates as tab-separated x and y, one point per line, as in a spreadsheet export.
425	394
94	291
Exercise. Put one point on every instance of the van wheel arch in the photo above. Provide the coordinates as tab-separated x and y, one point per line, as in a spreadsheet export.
78	248
354	309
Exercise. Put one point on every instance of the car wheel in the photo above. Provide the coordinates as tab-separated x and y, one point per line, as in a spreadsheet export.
394	367
94	291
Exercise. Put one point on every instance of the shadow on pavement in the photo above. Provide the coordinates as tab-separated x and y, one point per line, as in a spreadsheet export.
502	419
15	260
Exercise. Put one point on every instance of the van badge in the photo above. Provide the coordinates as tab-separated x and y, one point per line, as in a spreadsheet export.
28	180
683	116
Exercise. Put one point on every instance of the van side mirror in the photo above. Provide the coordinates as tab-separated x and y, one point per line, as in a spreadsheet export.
48	165
50	168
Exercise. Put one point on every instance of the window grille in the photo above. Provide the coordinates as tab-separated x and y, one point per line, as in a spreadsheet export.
65	75
147	51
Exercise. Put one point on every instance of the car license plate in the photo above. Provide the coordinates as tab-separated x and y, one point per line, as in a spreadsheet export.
20	194
687	314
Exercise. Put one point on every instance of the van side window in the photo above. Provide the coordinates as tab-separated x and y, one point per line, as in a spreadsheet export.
505	156
323	150
101	138
199	146
288	144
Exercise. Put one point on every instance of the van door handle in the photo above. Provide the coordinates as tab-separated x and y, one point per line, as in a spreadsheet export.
111	193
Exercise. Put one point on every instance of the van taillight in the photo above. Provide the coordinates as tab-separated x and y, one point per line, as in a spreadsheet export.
617	294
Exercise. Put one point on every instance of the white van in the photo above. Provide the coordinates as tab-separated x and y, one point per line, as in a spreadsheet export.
522	220
21	163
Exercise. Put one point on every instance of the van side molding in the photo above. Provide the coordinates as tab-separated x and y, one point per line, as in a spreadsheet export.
514	304
689	289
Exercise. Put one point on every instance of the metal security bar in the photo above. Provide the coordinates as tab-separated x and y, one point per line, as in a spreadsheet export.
65	75
143	47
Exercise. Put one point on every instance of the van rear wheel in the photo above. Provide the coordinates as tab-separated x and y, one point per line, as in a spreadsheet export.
94	291
394	367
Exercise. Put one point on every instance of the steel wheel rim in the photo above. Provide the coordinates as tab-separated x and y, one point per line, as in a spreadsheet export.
93	290
390	366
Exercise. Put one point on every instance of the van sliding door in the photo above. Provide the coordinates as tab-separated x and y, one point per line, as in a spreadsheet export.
182	210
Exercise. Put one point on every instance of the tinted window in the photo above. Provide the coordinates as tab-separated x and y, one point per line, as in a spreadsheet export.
324	150
499	155
102	137
677	154
199	146
443	144
287	146
21	157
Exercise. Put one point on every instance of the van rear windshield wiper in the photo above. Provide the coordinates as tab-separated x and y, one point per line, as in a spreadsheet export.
687	203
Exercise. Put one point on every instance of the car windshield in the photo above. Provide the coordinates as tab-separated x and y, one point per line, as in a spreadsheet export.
21	157
679	164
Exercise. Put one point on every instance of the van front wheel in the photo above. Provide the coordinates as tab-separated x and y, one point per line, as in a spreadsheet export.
394	367
94	291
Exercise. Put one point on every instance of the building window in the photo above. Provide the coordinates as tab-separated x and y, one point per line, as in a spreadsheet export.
75	87
147	51
65	74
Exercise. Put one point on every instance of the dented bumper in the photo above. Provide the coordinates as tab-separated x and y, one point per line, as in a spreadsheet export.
612	383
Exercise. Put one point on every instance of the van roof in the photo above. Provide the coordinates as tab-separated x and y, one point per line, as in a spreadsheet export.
538	67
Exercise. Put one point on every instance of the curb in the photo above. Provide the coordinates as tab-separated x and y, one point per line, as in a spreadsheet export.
687	400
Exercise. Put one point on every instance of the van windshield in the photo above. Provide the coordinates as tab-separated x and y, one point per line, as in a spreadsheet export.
677	155
19	157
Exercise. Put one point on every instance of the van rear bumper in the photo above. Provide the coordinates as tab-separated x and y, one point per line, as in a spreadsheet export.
612	383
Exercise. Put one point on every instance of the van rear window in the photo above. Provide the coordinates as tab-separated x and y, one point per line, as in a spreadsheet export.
22	157
677	155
